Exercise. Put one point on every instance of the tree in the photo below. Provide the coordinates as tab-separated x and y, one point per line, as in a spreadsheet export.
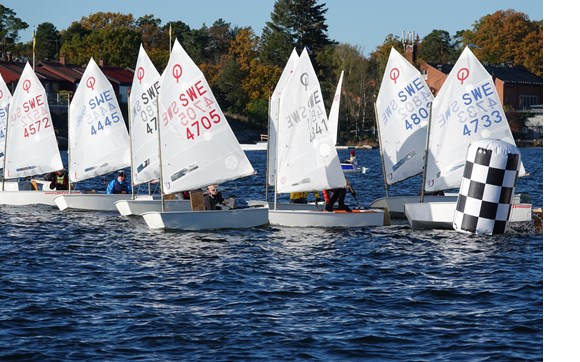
295	23
507	36
10	25
379	58
436	47
112	37
47	42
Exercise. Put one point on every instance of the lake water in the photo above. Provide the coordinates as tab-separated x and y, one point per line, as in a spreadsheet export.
98	286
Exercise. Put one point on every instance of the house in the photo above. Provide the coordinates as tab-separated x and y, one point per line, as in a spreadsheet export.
60	79
519	90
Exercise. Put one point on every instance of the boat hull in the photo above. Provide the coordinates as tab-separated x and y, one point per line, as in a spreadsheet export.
396	204
439	215
91	202
21	198
207	220
315	218
140	206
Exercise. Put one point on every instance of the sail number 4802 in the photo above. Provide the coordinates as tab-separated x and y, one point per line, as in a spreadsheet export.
194	129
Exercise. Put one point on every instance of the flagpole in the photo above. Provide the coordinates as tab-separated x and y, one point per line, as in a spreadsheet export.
169	38
33	49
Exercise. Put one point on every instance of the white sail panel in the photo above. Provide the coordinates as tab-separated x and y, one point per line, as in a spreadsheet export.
143	121
467	108
31	145
98	137
273	112
198	147
402	108
5	98
307	157
334	108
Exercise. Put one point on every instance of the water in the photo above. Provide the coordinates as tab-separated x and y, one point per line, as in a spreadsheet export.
97	286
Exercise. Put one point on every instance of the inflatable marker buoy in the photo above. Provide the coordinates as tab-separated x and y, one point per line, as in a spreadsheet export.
487	187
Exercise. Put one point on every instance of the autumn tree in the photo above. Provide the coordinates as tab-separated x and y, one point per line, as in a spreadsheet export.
508	36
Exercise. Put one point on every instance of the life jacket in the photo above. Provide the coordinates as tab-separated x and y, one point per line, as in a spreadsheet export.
60	180
298	195
119	187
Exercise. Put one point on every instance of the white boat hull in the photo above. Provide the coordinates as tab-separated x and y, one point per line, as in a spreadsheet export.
207	220
21	198
315	218
396	204
439	215
140	206
288	205
91	202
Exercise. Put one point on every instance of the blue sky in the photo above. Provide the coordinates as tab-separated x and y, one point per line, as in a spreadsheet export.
365	23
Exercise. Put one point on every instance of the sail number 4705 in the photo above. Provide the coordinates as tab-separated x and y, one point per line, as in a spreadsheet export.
194	129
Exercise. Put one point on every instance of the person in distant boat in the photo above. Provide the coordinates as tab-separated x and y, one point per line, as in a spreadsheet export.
119	185
302	197
352	159
299	197
58	180
213	199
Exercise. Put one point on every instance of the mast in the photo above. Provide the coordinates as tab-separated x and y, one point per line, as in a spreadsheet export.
421	198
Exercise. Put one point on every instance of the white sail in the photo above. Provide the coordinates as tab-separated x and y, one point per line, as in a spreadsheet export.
98	137
5	98
402	108
274	112
334	108
467	108
143	121
198	147
31	145
306	157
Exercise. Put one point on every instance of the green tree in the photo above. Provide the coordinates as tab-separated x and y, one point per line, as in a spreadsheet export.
379	58
295	23
436	47
48	42
112	37
10	25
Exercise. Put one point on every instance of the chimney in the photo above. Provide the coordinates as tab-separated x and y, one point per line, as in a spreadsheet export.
410	46
8	56
62	60
101	63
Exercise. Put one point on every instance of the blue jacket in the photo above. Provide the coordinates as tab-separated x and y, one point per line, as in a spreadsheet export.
116	187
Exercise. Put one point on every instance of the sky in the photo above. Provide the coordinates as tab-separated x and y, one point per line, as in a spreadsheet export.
364	23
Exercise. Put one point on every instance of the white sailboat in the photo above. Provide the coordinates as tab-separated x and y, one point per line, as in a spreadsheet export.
29	142
306	157
197	148
467	108
98	140
144	138
402	113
